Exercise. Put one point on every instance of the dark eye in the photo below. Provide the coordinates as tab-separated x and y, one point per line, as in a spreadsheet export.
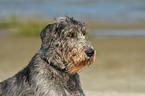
71	35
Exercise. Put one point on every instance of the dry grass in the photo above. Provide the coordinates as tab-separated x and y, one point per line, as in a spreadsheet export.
24	26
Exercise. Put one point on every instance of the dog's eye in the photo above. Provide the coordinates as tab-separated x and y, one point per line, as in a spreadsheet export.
71	35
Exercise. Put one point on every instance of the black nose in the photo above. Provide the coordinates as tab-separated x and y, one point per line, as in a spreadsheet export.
89	52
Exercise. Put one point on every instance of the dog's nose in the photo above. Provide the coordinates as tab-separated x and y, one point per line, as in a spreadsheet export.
89	52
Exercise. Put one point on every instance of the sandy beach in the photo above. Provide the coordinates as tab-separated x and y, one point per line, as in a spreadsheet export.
113	94
118	70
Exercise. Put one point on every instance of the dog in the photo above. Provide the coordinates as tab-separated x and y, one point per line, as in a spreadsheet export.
53	71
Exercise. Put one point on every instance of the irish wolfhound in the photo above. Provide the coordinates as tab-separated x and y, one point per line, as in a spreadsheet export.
53	70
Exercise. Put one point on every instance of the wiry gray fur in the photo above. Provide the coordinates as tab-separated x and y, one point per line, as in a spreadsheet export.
53	69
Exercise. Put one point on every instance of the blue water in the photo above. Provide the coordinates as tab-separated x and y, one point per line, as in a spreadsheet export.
110	9
129	11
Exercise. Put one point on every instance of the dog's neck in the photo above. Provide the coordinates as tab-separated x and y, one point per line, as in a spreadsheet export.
45	58
60	67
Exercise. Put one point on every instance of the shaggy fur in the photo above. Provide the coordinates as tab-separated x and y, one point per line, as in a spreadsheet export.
53	69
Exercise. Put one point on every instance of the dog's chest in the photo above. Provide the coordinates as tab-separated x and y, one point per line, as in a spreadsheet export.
64	86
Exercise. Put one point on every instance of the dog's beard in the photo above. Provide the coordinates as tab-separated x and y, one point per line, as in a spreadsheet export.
74	67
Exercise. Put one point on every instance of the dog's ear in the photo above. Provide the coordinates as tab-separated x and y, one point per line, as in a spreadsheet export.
46	35
49	34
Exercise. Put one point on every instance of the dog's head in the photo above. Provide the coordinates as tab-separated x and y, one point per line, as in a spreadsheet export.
65	44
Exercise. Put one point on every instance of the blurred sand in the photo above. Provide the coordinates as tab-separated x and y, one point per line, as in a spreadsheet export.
119	68
119	65
113	94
